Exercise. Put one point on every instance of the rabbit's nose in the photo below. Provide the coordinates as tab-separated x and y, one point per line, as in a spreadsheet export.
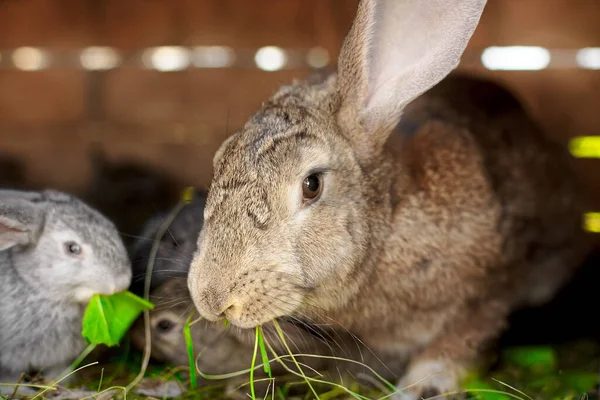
215	306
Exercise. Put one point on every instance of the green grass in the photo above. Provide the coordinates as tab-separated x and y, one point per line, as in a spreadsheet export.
187	333
553	373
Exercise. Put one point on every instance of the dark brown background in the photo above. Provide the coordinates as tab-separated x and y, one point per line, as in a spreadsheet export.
176	120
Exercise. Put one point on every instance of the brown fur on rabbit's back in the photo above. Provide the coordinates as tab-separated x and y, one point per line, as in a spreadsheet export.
531	177
472	175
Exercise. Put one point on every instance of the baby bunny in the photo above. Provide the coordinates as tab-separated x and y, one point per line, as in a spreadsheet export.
415	211
55	253
176	248
221	352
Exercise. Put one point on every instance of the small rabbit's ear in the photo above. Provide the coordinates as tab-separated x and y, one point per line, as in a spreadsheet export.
395	51
21	219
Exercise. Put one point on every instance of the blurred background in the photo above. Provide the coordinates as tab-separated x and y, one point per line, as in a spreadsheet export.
156	85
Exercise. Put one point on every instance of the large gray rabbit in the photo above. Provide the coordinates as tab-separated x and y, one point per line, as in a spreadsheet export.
55	253
420	240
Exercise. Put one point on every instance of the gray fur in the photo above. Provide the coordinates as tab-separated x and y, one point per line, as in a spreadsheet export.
176	248
45	289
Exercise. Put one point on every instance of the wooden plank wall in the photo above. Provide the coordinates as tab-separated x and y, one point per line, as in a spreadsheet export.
176	120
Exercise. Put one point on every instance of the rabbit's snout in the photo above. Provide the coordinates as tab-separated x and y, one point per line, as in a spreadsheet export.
214	305
103	284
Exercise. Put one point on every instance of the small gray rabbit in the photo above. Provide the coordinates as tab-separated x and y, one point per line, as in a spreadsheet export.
177	245
55	253
415	207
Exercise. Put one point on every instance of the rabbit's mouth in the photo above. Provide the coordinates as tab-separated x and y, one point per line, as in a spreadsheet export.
83	294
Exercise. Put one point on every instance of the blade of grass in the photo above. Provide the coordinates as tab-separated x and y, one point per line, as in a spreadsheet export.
186	199
513	388
280	394
252	366
307	379
53	385
100	383
110	389
282	337
187	333
377	375
86	352
263	351
491	391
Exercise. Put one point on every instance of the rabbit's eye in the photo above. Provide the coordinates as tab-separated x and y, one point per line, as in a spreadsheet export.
311	187
164	325
72	248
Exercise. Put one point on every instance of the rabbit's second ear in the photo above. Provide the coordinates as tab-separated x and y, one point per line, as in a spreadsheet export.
395	51
20	222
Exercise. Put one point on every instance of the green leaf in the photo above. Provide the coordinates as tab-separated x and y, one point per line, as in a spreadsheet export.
187	333
107	318
537	359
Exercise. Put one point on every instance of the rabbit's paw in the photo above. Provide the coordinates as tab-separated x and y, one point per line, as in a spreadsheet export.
428	379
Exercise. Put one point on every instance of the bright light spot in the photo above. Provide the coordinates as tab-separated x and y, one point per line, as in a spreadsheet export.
99	58
523	58
589	58
30	58
167	58
317	57
213	57
591	222
270	58
585	147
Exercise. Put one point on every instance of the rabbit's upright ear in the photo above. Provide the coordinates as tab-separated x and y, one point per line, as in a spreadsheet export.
21	218
395	51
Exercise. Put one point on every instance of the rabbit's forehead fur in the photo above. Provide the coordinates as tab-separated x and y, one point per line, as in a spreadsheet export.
295	125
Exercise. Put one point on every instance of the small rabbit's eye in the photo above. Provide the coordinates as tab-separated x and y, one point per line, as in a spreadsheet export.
311	187
164	325
72	248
